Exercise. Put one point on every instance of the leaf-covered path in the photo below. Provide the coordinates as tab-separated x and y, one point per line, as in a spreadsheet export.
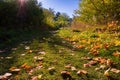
63	55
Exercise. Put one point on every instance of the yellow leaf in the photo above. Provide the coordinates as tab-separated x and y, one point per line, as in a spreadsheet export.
39	76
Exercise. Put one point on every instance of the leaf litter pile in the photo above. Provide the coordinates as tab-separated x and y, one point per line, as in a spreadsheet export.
66	55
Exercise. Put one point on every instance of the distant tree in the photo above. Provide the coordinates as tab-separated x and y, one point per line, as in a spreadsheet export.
49	17
62	19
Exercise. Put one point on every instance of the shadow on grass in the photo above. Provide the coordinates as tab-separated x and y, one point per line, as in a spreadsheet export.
11	40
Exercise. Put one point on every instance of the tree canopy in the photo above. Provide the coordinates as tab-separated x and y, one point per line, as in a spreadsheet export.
98	11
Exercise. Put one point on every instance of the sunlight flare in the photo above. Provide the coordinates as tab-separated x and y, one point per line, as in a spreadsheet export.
22	2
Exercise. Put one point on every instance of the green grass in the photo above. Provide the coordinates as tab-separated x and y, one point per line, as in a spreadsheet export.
59	53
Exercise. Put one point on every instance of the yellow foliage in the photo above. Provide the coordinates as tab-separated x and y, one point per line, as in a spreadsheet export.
117	43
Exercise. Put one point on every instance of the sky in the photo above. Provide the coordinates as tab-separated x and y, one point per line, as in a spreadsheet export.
63	6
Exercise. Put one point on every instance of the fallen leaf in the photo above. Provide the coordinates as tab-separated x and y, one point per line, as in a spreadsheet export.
106	73
80	46
51	68
24	65
2	77
115	70
8	57
68	66
102	61
72	54
103	66
86	58
2	51
96	58
1	57
117	53
5	76
86	65
38	58
66	75
42	52
30	51
97	69
90	63
109	62
82	72
22	54
14	49
97	47
17	77
73	68
27	47
15	70
8	74
34	78
39	76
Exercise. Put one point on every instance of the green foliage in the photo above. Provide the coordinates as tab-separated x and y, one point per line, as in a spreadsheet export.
49	17
98	11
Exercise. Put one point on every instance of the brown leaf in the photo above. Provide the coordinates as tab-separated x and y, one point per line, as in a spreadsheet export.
51	68
82	72
109	62
34	78
24	65
68	66
86	65
66	75
14	69
106	73
116	54
89	64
